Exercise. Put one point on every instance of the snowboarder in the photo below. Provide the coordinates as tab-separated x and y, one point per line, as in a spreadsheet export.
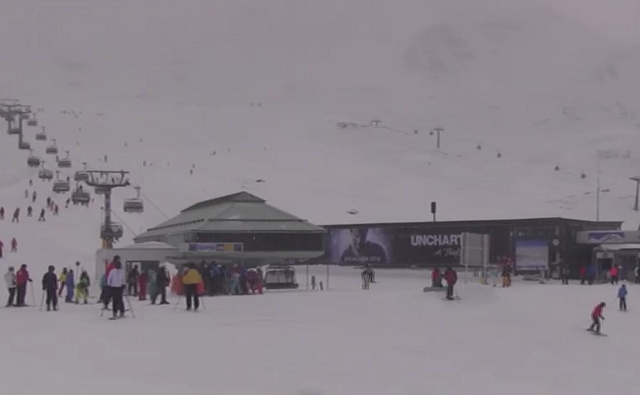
564	273
82	288
436	278
14	245
16	216
50	286
622	295
190	279
596	316
451	277
22	277
10	281
142	286
115	282
29	211
70	283
1	213
62	279
41	218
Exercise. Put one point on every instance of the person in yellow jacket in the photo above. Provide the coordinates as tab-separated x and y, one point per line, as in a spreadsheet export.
62	279
190	279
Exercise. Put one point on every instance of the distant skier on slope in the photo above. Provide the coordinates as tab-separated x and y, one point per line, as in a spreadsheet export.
41	217
622	295
596	316
14	245
1	213
16	216
34	196
29	211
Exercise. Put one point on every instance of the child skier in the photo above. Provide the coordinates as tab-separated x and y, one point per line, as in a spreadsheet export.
596	316
622	295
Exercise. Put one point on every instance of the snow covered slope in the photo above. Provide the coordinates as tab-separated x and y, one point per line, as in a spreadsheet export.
284	93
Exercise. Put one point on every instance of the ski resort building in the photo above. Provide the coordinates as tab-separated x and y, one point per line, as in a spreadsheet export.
238	228
532	244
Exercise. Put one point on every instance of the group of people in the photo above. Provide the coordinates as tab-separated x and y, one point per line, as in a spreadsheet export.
229	279
450	276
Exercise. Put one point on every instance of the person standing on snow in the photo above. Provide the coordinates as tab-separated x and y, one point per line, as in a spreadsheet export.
50	286
82	288
16	216
622	295
190	279
564	273
436	278
596	316
22	278
34	195
132	281
115	284
613	272
153	285
451	277
10	281
1	249
366	279
41	217
62	279
1	213
14	245
70	283
29	211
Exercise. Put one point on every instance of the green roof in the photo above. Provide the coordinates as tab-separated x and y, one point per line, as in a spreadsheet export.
238	213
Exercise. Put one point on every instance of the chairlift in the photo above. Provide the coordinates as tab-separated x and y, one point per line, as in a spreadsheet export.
32	160
42	136
33	121
135	205
45	174
113	231
65	162
280	277
61	186
80	196
52	149
25	145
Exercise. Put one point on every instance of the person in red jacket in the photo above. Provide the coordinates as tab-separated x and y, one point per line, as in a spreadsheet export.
22	277
596	316
451	277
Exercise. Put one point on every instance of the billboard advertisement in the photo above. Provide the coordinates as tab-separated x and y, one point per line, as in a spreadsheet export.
532	255
360	246
428	247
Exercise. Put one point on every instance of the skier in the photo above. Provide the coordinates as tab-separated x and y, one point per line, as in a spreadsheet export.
22	277
41	218
564	273
2	213
62	279
33	197
70	283
190	279
14	245
50	285
596	316
142	286
115	282
622	295
613	272
16	216
436	278
29	211
1	249
366	278
313	282
162	282
48	202
107	290
82	287
10	280
26	194
132	281
451	277
55	210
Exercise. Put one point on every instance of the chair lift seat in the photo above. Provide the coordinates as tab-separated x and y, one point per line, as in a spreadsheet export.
51	150
41	137
133	206
64	163
61	186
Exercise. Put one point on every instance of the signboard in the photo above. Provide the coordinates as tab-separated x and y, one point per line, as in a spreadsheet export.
428	247
212	247
532	255
360	246
608	237
474	250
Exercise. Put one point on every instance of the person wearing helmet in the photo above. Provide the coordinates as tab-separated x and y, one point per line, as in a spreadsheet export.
596	316
50	287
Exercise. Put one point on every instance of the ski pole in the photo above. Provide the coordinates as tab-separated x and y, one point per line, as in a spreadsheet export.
133	314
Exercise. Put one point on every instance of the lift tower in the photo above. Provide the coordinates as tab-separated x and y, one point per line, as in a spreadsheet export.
11	110
104	181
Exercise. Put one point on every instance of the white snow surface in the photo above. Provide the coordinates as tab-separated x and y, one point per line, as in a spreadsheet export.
266	85
393	339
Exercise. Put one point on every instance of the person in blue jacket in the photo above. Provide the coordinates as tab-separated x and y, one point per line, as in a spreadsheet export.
622	295
71	286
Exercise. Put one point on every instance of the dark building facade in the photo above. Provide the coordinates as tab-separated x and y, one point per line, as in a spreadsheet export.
533	242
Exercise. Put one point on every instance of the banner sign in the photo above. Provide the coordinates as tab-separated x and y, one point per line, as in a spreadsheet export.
360	246
532	255
212	247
